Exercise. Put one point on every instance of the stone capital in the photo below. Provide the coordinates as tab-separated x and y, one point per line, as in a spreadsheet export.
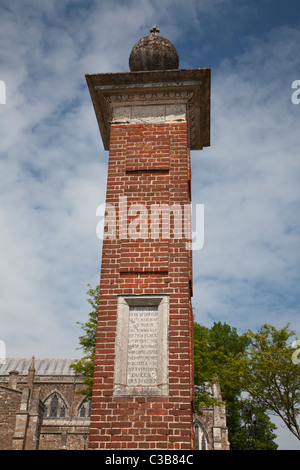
153	96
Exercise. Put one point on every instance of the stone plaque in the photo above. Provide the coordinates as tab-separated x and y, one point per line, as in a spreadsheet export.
141	361
142	346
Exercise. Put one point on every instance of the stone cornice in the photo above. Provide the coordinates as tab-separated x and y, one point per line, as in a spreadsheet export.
190	87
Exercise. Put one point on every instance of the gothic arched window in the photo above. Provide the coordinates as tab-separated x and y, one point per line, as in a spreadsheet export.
62	412
85	409
55	406
196	431
200	438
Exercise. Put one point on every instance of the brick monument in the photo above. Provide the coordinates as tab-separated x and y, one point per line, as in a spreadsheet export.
149	119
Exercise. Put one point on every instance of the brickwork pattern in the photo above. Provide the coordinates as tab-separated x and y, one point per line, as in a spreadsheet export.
146	266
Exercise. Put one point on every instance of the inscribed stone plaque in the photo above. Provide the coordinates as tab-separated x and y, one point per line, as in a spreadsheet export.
141	361
142	346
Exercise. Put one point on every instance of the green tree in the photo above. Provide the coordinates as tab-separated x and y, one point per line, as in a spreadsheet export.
214	349
217	352
84	367
269	375
250	428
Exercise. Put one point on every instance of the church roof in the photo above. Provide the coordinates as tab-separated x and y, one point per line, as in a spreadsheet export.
46	366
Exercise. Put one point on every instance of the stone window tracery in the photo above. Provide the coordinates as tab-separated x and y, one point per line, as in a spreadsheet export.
200	438
55	406
85	409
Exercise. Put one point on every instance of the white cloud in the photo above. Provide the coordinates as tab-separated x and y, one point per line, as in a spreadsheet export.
55	166
249	183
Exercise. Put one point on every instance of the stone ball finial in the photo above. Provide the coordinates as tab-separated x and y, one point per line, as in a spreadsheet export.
153	53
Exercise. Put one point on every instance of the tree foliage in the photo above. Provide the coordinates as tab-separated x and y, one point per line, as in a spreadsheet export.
217	354
269	375
84	367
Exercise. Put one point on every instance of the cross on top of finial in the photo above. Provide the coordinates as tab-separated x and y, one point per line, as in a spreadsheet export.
155	29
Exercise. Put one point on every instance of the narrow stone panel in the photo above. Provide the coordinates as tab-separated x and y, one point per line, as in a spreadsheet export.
141	365
142	347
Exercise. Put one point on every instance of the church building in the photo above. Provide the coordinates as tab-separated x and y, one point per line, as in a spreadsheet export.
40	409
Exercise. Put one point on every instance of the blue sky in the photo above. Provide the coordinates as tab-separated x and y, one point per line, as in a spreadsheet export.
53	167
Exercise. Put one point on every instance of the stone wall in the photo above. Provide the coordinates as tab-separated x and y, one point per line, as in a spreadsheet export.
210	423
10	400
30	418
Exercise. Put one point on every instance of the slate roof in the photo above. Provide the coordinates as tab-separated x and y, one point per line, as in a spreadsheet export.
46	366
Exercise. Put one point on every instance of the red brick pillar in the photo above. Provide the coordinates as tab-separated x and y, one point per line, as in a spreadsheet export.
143	380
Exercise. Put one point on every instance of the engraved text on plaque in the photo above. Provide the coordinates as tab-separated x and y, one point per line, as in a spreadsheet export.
142	346
141	360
